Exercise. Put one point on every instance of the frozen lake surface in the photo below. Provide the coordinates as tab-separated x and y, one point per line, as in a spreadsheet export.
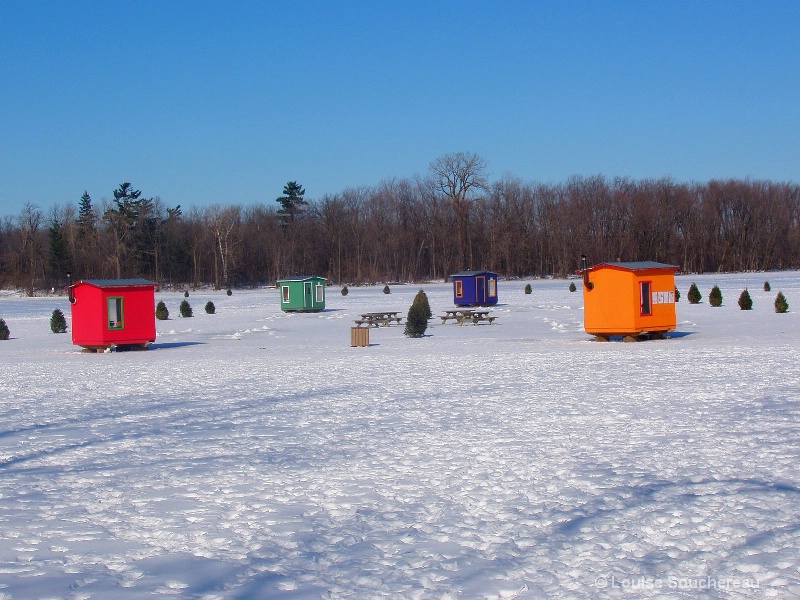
255	454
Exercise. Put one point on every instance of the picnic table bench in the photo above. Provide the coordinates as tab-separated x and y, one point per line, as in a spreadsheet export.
467	315
378	319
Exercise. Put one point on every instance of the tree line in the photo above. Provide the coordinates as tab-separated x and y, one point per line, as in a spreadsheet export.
414	229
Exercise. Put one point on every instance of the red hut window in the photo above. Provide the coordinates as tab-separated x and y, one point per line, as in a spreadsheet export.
116	315
459	288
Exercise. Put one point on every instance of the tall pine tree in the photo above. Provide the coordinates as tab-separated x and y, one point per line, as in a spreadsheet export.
86	255
122	219
292	202
60	257
87	220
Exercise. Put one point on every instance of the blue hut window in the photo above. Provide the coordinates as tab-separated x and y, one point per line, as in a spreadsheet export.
285	292
492	287
459	288
116	319
320	293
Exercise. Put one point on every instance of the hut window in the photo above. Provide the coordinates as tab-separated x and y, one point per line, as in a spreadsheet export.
285	292
646	298
492	288
116	319
459	288
320	293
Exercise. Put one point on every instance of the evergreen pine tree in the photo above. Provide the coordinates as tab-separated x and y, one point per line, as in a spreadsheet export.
58	324
87	219
345	291
528	289
185	308
694	294
745	301
715	297
767	286
677	294
122	218
781	305
4	332
386	289
572	287
210	308
60	257
422	298
416	321
162	314
229	292
292	202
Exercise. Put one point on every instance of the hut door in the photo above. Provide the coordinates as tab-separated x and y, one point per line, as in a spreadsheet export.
480	290
644	288
308	294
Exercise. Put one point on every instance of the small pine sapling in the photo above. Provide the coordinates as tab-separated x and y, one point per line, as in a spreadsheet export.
528	289
210	308
185	309
694	294
781	305
572	287
386	289
767	286
416	321
422	298
345	291
186	294
4	332
677	294
715	297
58	324
162	313
745	301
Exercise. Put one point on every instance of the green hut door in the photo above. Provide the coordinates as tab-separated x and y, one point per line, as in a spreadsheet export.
308	294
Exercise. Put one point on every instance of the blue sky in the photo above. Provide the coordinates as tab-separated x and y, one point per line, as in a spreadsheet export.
200	102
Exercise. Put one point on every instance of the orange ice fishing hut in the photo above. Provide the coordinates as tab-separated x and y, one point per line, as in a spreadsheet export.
629	299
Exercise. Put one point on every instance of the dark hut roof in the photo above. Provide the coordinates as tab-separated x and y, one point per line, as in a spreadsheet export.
644	265
103	283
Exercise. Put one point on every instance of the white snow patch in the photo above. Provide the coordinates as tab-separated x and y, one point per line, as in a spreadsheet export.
516	460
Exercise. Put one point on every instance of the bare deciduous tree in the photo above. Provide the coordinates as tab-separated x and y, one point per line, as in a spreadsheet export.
224	224
30	223
459	176
425	228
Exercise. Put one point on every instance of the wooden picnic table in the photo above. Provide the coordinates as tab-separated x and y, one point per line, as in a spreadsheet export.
467	315
456	314
377	319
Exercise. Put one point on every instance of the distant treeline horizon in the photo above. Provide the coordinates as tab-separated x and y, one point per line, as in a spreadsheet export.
417	229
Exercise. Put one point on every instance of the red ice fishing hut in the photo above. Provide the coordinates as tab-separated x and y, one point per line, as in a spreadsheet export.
113	312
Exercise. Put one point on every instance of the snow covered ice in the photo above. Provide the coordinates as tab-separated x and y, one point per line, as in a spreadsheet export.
255	454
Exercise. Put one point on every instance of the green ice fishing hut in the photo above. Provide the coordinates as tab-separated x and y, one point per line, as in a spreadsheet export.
302	294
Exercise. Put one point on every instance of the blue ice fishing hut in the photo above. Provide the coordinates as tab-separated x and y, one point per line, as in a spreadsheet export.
474	288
